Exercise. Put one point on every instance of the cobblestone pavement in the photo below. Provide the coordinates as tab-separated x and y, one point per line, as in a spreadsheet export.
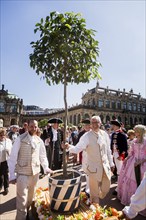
8	202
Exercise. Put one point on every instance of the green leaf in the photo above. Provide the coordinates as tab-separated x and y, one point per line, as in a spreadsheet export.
67	25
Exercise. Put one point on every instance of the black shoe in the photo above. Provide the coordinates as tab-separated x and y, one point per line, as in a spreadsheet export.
41	176
27	216
114	177
5	192
88	195
114	193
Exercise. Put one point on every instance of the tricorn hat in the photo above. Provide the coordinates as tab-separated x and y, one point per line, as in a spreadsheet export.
14	126
55	120
85	121
116	122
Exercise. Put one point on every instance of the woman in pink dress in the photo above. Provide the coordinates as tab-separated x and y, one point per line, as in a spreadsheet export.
131	174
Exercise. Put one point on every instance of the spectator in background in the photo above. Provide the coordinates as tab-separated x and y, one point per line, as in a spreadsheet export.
74	136
45	132
123	127
5	149
107	125
24	128
39	134
13	133
131	136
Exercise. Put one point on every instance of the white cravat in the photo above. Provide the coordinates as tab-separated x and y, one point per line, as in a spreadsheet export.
33	141
54	134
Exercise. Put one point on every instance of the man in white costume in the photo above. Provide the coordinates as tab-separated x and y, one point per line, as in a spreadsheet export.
27	154
99	159
138	201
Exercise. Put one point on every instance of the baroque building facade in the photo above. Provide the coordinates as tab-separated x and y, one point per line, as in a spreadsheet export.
127	107
10	108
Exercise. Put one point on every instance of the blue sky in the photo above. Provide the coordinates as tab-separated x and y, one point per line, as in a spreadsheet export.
121	33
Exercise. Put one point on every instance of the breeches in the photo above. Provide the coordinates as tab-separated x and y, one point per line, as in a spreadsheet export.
4	177
118	164
25	192
98	189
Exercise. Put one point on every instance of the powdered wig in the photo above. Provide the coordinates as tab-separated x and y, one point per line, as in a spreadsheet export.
129	132
141	129
98	119
3	131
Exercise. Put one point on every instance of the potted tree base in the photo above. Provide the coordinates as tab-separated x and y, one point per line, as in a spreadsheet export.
65	193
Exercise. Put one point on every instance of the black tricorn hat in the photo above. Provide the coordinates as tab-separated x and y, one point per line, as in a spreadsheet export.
55	120
86	121
116	122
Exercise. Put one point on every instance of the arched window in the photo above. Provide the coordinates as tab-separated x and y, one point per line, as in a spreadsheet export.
118	105
100	103
113	117
130	106
86	115
134	107
126	121
93	102
113	104
124	105
119	118
13	121
79	119
70	119
131	121
102	117
74	121
107	103
135	121
2	107
140	120
107	118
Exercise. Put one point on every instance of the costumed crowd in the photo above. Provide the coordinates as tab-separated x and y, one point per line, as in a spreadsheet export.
105	152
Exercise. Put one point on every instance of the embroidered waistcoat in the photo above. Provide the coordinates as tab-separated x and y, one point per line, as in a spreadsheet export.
28	162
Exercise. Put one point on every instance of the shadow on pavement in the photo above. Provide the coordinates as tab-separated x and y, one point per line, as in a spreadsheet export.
8	206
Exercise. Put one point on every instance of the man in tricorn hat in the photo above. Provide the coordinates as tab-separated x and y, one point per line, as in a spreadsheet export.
86	128
119	145
55	136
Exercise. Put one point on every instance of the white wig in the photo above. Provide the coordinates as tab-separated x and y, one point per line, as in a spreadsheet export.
98	119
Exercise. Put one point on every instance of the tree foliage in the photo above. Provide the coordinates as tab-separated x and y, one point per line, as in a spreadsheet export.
66	52
67	47
42	123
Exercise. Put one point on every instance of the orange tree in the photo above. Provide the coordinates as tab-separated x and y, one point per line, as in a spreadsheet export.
66	52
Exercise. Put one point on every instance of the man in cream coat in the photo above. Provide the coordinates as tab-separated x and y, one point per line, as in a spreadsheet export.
99	159
27	154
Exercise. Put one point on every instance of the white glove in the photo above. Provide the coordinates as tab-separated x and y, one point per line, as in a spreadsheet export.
48	170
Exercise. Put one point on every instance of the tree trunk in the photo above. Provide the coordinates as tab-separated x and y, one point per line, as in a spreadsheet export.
65	126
